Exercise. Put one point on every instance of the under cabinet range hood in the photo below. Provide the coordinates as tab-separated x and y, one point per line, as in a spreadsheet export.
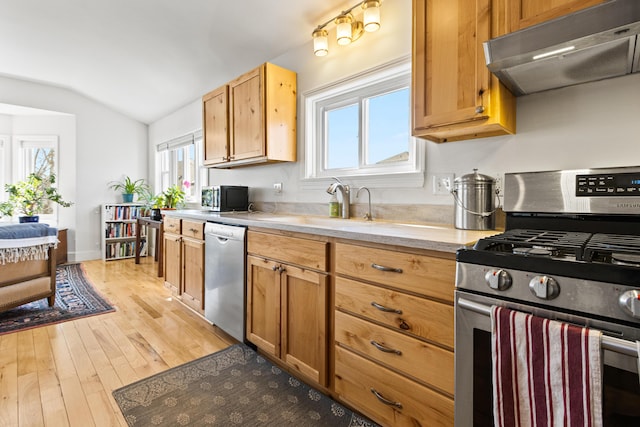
592	44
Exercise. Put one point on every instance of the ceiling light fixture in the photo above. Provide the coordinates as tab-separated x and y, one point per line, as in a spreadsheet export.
348	28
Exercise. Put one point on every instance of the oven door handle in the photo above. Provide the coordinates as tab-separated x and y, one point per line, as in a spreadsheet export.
608	343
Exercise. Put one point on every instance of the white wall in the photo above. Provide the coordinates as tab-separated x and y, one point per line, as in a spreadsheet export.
593	125
108	146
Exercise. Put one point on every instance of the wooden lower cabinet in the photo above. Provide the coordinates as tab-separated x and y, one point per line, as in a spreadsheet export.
173	262
388	397
287	305
193	273
184	261
393	329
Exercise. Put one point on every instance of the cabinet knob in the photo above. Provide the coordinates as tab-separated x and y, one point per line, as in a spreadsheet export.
479	109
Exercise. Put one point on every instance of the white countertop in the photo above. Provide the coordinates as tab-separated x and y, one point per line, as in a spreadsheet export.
432	236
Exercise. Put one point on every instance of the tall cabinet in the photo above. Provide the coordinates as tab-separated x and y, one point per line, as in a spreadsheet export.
453	94
119	229
252	119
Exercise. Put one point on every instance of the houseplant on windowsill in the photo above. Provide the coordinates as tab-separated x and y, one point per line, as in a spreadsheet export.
31	197
173	197
129	188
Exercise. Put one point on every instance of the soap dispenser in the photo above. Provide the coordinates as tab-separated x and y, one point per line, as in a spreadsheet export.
334	206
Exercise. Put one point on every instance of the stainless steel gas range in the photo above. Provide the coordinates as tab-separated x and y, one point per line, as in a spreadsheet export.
570	252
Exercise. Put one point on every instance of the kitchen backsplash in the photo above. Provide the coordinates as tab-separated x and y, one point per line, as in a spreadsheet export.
441	214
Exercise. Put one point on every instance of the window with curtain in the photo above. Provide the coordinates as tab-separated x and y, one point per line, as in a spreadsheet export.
180	163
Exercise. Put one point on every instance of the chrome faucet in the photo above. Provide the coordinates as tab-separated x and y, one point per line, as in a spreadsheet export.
367	216
344	193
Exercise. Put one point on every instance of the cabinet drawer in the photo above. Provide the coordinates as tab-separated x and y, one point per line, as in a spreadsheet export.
424	318
425	362
422	274
294	250
356	379
193	229
172	225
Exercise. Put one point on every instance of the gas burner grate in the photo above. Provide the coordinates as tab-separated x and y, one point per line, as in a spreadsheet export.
560	243
610	248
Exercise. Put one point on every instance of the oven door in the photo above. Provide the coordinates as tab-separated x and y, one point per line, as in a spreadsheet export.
473	366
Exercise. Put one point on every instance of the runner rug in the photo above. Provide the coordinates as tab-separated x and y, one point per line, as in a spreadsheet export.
232	387
75	298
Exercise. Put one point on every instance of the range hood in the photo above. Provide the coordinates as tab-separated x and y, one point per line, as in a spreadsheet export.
592	44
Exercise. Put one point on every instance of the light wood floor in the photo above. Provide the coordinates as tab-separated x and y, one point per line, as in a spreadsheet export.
63	375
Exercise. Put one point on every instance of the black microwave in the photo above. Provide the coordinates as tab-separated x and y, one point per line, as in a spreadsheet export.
225	198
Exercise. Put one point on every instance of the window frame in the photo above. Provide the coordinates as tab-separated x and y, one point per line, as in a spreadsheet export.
383	79
20	144
167	160
4	163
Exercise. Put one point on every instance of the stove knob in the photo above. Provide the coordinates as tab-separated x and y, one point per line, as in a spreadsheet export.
498	279
630	303
544	287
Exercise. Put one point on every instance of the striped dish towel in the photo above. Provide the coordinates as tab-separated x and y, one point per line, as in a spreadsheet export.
545	373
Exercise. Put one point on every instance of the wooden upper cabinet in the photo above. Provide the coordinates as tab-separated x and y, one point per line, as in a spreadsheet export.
252	119
215	120
525	13
454	96
247	106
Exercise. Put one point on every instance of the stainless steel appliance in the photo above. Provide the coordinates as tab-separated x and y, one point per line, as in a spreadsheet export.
224	277
474	196
591	44
570	252
225	198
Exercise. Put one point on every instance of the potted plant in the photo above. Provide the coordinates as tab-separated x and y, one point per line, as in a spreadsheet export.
31	197
173	197
129	188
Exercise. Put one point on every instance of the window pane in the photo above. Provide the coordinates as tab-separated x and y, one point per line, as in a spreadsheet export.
189	181
342	137
180	162
389	127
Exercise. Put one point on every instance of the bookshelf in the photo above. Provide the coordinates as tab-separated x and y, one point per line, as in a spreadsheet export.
119	228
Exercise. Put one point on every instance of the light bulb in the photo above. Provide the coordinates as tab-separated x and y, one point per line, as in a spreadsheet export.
343	32
320	42
371	15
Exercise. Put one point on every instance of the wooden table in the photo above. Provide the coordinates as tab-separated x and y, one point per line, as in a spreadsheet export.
146	221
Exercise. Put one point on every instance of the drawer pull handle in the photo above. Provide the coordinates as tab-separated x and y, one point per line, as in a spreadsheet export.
382	399
385	349
384	268
385	309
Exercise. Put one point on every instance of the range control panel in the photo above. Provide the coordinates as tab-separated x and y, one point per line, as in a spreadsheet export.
609	184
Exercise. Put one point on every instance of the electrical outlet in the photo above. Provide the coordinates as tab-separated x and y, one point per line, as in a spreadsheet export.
442	183
277	187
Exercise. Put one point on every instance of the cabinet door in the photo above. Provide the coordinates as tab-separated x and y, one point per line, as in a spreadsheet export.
193	274
453	94
173	262
524	13
215	119
450	75
263	304
246	104
304	322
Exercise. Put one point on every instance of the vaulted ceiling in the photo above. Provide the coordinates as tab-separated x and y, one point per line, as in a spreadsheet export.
147	58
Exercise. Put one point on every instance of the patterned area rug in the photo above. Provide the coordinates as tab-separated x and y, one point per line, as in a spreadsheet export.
75	298
232	387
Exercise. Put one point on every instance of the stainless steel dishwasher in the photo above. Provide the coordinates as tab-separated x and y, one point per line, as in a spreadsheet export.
224	277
